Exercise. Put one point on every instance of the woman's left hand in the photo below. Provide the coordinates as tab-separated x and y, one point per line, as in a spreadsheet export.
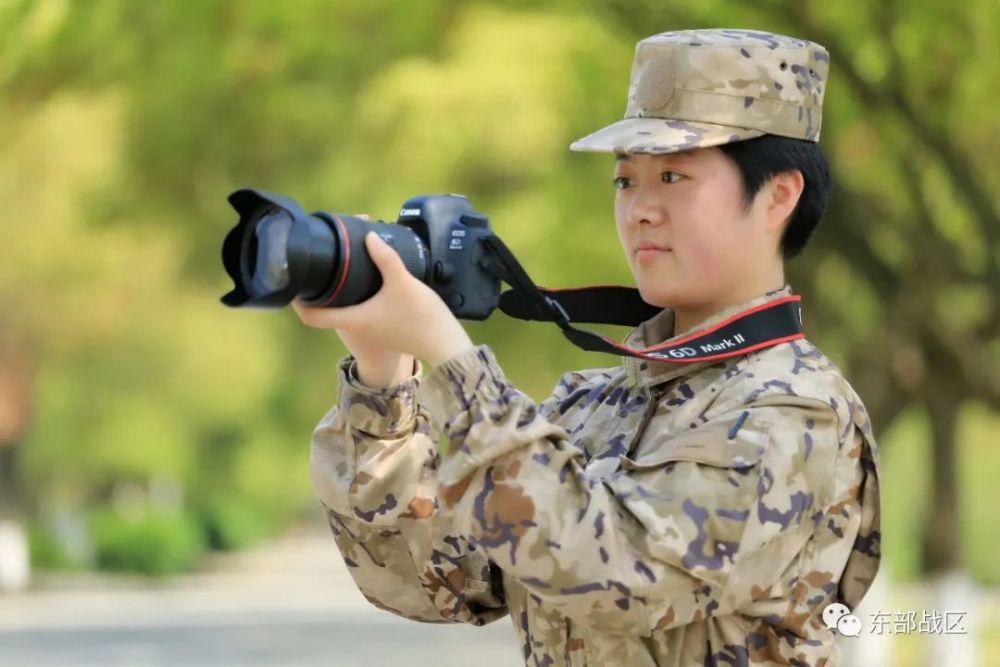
404	315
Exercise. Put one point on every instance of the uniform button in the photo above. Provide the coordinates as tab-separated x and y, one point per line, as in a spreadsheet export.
456	300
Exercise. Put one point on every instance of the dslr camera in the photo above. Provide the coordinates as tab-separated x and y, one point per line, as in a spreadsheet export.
277	252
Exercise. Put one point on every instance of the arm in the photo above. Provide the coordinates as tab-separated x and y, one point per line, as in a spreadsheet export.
706	520
373	465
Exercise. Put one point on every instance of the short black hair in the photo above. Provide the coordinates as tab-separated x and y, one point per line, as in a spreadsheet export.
761	158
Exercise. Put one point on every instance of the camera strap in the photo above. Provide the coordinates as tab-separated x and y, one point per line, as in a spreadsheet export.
756	328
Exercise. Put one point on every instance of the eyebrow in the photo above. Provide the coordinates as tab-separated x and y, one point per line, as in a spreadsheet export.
625	157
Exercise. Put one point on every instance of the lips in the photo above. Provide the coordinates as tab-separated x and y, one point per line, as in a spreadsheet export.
651	246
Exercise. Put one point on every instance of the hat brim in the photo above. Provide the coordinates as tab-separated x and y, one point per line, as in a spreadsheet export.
660	135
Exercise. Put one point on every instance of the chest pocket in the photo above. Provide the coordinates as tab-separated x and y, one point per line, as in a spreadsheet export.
693	493
737	444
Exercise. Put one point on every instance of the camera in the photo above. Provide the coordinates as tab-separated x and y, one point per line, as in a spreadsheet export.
277	252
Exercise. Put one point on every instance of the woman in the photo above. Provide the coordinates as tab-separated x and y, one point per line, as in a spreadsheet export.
649	513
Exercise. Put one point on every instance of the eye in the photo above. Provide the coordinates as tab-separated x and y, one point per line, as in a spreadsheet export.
671	177
622	182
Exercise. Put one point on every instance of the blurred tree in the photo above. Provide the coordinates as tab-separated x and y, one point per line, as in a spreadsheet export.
124	126
16	393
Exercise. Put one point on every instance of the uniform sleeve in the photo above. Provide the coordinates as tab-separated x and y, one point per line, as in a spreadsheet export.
373	465
694	525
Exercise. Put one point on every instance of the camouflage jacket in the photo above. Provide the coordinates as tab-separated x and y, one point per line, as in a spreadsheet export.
644	514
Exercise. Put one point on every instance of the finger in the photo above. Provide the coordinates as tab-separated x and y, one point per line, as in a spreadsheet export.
315	315
345	318
386	259
304	310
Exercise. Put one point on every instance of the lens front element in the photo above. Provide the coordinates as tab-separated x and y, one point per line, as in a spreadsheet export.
270	266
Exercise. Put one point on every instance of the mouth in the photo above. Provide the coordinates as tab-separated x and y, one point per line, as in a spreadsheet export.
650	249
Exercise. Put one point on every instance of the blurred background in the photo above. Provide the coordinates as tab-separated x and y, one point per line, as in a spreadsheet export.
147	430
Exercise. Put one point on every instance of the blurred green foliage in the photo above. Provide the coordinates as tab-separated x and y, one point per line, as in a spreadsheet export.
234	523
125	124
47	552
154	544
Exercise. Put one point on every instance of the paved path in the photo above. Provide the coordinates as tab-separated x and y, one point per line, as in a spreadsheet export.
289	602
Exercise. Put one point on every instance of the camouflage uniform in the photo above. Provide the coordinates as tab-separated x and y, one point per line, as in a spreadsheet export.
644	514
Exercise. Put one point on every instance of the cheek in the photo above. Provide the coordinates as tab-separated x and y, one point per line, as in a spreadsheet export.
700	257
717	239
621	227
620	212
697	240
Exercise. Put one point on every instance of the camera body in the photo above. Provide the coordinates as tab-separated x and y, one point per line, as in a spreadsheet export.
452	232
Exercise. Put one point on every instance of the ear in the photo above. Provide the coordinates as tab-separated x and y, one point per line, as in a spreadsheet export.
783	192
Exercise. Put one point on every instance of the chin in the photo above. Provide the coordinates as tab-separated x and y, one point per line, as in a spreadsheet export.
657	295
675	295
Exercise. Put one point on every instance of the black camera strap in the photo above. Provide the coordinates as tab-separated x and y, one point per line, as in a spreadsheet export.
771	323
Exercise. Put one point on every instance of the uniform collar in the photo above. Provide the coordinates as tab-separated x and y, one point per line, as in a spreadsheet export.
658	329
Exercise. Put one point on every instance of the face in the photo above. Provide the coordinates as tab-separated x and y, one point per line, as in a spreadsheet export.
689	239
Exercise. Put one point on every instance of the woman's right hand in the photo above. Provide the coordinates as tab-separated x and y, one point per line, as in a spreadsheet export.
378	368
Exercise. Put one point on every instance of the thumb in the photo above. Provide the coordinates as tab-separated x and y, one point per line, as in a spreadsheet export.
386	259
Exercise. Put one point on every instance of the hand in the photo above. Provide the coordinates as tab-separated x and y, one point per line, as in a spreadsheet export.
375	367
405	316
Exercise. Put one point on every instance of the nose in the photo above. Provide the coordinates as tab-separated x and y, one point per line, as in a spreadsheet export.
646	207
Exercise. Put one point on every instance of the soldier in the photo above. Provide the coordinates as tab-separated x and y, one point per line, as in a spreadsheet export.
648	513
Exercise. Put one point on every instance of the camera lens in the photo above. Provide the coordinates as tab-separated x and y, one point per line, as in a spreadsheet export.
352	276
278	252
268	252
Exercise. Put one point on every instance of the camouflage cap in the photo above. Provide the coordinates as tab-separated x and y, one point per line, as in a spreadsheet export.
699	88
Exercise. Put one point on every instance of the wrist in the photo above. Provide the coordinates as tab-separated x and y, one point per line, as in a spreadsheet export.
387	374
450	348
